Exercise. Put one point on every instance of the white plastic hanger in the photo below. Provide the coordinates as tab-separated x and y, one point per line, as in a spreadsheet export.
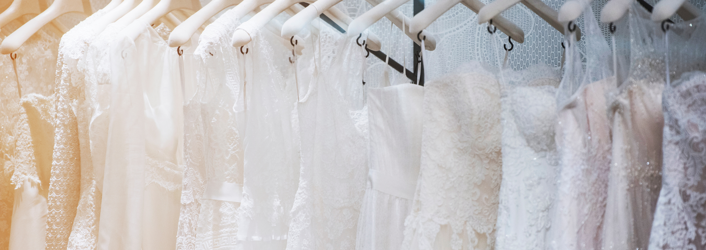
119	11
136	12
241	36
19	8
182	33
58	8
492	11
615	9
572	9
357	26
160	10
666	8
428	15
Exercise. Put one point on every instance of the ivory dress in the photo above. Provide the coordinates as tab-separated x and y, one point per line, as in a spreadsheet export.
530	158
26	143
333	136
144	161
456	200
213	174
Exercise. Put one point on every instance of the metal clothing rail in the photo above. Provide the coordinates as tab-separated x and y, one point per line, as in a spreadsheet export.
411	74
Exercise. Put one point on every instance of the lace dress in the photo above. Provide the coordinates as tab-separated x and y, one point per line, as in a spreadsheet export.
333	136
583	142
530	158
679	220
213	174
144	161
637	123
71	144
395	117
94	65
271	145
26	156
456	200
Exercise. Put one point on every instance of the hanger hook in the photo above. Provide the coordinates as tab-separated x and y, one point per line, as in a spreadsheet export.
420	39
358	41
294	43
246	50
13	56
571	26
490	23
612	28
664	25
367	50
180	51
512	46
562	45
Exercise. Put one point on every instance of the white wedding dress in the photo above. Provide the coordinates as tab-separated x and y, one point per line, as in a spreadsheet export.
680	216
456	200
213	121
529	157
637	123
144	161
270	143
26	141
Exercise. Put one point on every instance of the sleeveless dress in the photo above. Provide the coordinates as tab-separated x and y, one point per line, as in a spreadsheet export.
71	144
271	144
679	217
333	131
213	116
456	200
529	158
394	151
144	161
26	153
637	123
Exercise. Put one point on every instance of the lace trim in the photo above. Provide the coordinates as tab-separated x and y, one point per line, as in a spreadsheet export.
164	173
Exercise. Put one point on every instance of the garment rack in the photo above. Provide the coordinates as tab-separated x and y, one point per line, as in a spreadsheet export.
418	6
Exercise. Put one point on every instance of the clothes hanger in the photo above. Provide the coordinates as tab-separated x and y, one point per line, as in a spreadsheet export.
241	36
572	9
182	33
162	8
428	15
136	12
119	11
294	24
492	10
58	8
615	9
666	8
19	8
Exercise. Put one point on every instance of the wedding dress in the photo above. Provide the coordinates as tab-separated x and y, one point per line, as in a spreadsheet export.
583	143
213	116
395	117
679	221
70	171
270	143
95	67
333	132
637	123
26	143
456	200
144	161
529	157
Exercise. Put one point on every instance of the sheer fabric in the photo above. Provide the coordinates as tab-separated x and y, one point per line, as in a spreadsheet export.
143	171
583	141
71	143
456	200
271	146
213	174
637	123
25	181
529	157
395	117
681	206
